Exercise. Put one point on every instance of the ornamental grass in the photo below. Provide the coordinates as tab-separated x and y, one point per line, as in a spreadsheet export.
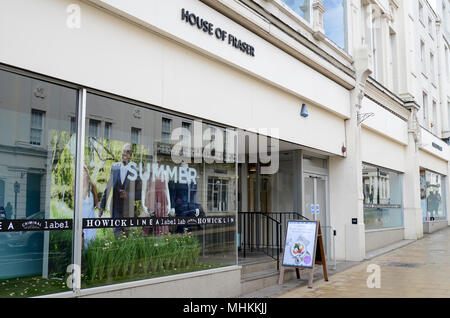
108	257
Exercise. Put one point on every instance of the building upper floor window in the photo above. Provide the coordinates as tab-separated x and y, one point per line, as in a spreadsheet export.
166	130
73	125
335	21
432	73
434	120
37	127
422	56
94	128
421	12
135	135
447	69
108	127
186	125
334	17
425	109
301	7
430	26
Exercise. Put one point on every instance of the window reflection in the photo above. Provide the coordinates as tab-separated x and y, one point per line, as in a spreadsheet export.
134	175
382	191
301	7
432	189
334	21
37	151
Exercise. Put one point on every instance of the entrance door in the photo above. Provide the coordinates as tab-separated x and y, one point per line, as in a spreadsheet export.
33	204
316	189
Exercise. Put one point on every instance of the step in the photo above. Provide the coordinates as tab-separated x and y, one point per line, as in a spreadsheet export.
258	266
255	281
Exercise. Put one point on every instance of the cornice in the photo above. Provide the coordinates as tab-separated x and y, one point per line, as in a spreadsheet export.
348	74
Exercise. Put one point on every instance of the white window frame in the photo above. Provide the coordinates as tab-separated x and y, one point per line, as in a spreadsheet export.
164	133
294	14
41	129
138	132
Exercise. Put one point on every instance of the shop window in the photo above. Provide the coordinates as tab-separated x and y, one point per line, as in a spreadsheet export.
129	179
382	189
432	195
39	184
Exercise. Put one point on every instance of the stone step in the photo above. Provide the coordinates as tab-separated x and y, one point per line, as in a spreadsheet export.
259	266
253	281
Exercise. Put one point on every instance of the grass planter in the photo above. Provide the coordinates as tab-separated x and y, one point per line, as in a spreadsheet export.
118	258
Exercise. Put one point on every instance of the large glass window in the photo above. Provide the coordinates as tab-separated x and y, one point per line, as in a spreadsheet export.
301	7
432	195
37	176
136	176
335	21
382	189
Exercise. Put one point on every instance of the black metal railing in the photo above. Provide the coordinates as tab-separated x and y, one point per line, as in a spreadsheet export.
263	232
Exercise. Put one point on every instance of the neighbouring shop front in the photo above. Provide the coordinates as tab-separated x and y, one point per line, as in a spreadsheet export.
432	199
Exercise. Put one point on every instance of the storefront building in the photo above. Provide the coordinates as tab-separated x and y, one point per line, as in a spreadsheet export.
278	113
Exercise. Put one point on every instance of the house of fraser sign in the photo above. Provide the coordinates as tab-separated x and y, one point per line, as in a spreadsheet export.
209	28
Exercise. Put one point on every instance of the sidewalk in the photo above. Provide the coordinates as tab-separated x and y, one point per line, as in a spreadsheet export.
420	269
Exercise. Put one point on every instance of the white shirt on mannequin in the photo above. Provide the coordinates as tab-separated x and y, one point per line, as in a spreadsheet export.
123	172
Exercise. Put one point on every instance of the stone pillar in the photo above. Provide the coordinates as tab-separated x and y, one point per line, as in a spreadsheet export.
318	11
346	186
412	210
442	81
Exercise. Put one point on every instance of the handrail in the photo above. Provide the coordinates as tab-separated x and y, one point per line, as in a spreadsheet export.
270	243
253	224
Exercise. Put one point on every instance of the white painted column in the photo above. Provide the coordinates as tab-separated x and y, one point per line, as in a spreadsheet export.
442	81
412	210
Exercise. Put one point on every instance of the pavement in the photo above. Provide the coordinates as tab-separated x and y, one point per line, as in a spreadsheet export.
420	269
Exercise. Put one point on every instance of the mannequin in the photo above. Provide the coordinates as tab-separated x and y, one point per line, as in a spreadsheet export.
157	203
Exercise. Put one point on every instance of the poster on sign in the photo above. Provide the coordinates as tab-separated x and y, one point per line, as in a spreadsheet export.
300	246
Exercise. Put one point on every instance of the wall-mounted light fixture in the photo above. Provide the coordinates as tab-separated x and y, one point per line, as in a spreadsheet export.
304	112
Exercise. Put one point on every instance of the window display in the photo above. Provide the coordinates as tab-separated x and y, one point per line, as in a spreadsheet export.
382	191
137	178
144	214
37	169
432	194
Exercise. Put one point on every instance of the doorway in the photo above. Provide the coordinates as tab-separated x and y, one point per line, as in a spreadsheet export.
316	187
316	205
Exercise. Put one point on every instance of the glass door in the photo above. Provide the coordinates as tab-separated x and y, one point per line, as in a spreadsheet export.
315	208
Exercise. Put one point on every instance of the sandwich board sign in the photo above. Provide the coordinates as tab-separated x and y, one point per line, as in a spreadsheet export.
303	249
